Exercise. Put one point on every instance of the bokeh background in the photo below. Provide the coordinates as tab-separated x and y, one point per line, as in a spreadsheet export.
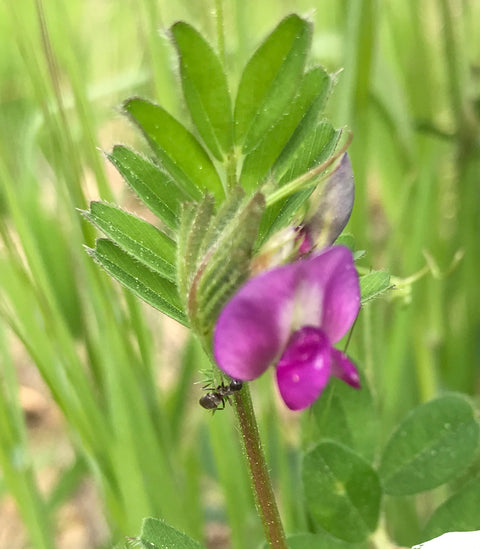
99	422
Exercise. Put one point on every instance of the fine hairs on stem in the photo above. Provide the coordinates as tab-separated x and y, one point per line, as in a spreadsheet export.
260	478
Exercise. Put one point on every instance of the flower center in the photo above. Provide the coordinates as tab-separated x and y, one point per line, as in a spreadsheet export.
306	346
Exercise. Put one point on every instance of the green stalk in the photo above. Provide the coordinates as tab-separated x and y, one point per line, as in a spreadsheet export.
238	500
467	126
308	179
260	478
220	29
159	54
354	97
15	458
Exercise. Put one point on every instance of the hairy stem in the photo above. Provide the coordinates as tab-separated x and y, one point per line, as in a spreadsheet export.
260	478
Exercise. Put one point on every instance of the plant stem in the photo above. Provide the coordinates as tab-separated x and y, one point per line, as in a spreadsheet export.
308	178
260	478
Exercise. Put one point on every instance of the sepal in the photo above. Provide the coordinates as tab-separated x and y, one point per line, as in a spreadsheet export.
214	254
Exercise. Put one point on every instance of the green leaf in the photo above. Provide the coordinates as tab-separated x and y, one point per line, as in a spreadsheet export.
347	416
156	188
149	286
310	145
158	535
138	238
342	491
58	258
374	284
346	239
308	102
302	152
270	80
435	443
458	514
205	89
178	149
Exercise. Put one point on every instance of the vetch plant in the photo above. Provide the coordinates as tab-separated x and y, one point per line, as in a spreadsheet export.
247	253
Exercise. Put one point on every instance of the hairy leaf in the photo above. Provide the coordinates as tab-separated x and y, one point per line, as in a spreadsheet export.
342	491
149	286
205	89
270	80
156	534
155	187
178	150
374	284
307	103
435	443
138	238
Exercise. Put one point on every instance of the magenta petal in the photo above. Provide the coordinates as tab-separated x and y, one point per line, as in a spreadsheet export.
304	368
254	327
333	272
343	368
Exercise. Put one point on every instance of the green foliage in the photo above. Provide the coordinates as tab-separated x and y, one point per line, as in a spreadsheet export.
346	416
137	277
154	186
195	222
15	456
311	144
342	491
205	88
459	513
410	97
270	79
305	149
374	284
214	254
304	109
182	156
141	239
434	444
281	132
156	534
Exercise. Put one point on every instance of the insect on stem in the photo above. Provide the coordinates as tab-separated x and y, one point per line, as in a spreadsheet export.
216	397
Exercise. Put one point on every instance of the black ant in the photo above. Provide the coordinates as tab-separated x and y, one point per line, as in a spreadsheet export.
216	397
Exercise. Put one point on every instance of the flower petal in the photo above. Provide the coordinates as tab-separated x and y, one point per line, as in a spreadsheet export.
333	272
253	328
335	206
304	368
345	369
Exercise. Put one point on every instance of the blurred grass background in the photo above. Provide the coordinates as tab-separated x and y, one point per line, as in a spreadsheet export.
99	422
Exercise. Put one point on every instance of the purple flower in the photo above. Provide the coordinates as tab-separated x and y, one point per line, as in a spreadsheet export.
290	317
